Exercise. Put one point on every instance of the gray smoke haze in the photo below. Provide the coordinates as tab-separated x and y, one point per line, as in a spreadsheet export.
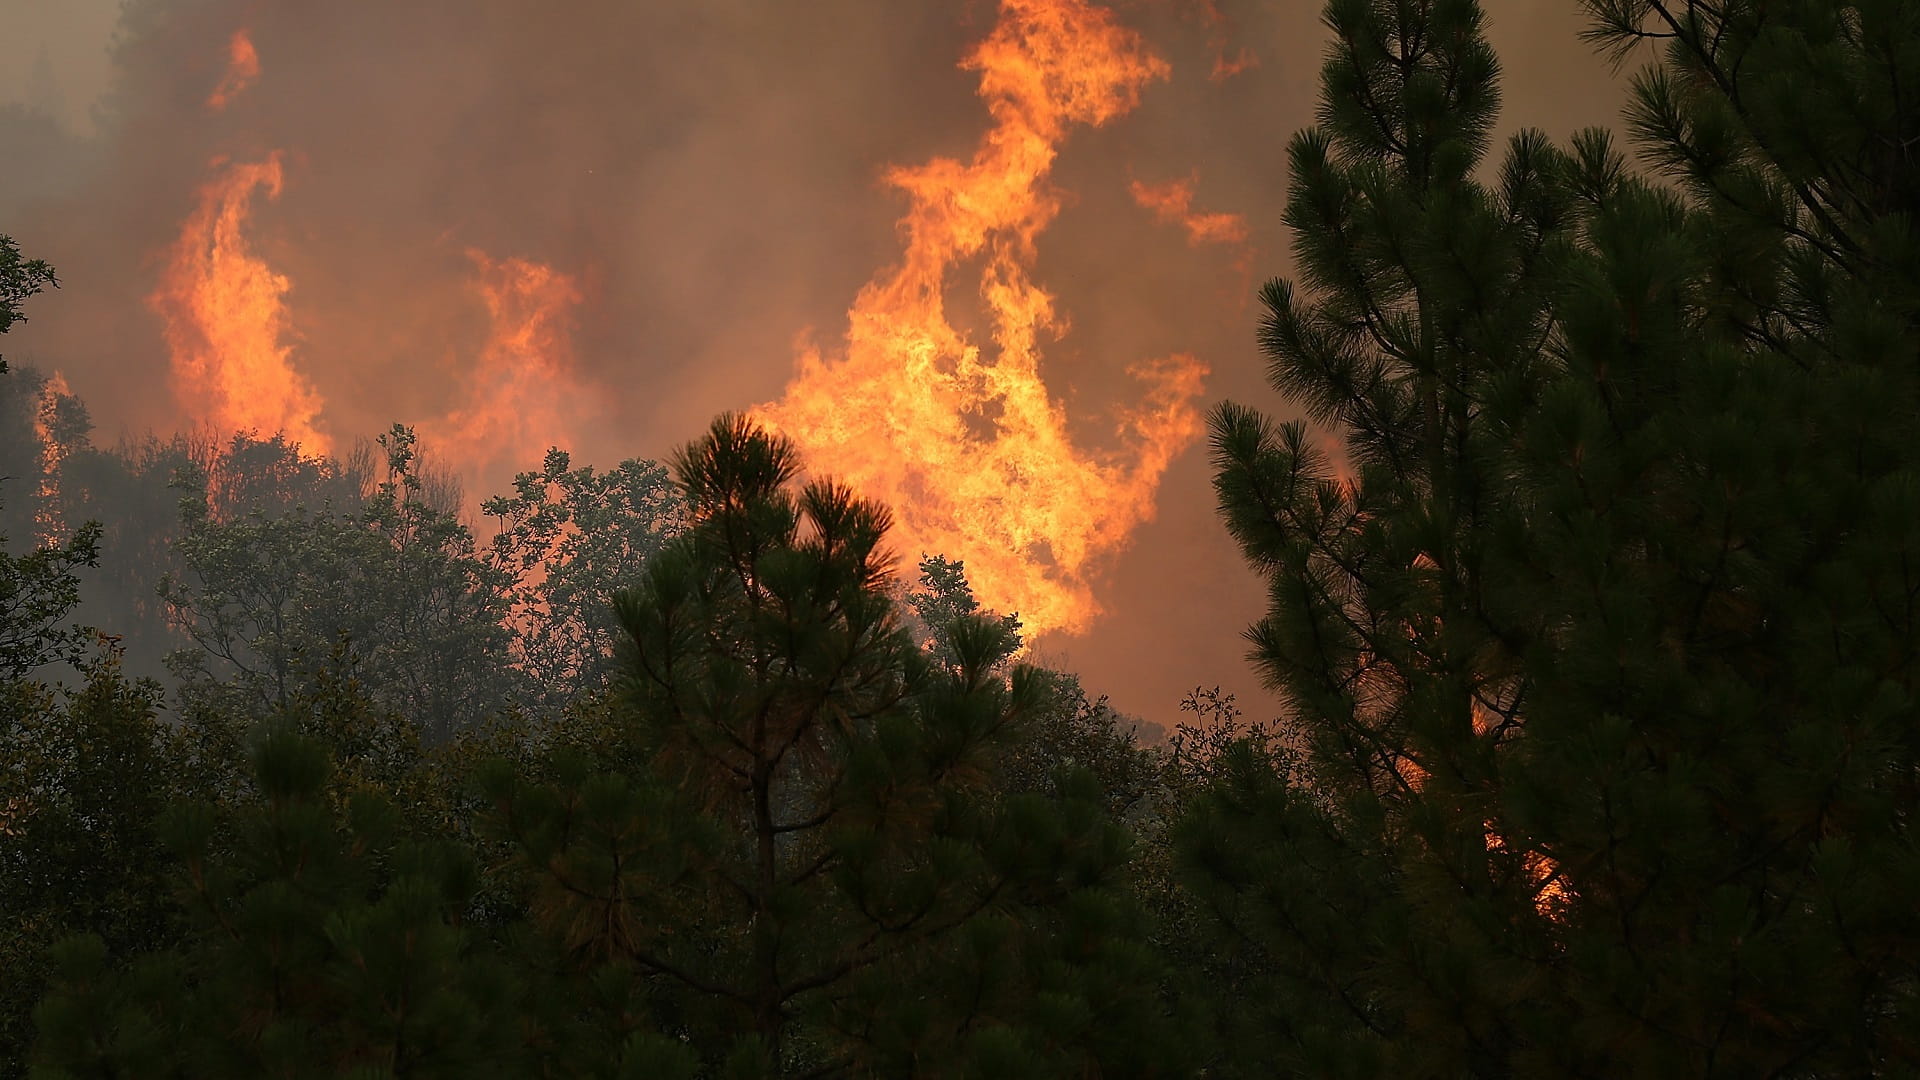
709	170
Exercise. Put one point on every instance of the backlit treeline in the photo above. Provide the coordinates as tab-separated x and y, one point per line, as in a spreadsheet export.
234	343
963	436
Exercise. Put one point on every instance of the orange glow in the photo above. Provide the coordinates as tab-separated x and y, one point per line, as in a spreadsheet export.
243	66
1550	893
1551	897
522	396
1226	64
226	317
1226	67
1172	204
1335	453
48	527
967	444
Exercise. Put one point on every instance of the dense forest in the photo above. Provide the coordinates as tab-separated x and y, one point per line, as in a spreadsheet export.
1594	616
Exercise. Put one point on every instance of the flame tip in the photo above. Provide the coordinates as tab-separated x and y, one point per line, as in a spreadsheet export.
970	446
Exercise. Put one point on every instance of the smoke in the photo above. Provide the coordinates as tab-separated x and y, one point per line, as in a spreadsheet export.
243	66
704	182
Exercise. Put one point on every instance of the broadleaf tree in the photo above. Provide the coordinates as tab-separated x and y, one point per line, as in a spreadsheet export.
569	536
284	582
40	588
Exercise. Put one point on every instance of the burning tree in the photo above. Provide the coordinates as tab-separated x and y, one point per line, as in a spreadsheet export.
1603	634
40	588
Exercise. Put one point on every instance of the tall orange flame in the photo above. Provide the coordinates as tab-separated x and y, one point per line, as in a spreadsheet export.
226	317
970	449
243	66
48	526
522	396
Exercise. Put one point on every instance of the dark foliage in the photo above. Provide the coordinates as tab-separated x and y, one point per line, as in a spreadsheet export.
1600	644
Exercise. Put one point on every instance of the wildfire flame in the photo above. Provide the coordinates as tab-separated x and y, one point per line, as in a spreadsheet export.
970	449
243	66
1227	61
226	317
523	395
1172	204
48	527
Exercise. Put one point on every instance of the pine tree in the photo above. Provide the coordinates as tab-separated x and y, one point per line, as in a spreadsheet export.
794	858
324	942
1067	730
1601	635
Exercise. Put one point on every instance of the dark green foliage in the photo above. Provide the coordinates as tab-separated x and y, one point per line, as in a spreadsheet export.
1601	652
1067	730
797	842
323	943
21	278
83	775
893	882
38	591
1070	732
942	598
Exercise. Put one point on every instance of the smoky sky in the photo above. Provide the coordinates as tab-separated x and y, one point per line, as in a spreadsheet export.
710	172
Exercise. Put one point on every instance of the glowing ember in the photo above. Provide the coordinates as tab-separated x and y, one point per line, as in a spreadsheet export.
243	66
1172	204
226	317
1226	64
1551	896
522	396
969	448
48	527
1226	67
